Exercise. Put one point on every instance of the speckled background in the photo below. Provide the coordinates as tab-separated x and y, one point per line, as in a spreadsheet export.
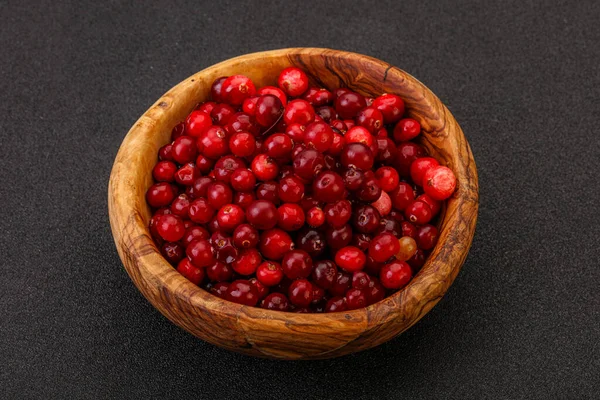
522	78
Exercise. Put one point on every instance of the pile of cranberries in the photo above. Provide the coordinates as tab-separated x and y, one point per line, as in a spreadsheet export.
296	198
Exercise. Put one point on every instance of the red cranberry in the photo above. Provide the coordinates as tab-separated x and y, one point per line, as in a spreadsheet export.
358	156
291	189
186	175
269	273
338	214
237	88
216	90
324	273
365	219
206	107
388	178
218	194
402	196
427	236
293	81
298	112
275	91
318	96
370	118
268	110
383	204
361	240
242	292
353	179
439	182
242	144
290	217
383	247
389	225
164	171
326	113
278	145
200	211
274	243
341	284
246	262
349	104
230	216
262	214
350	259
337	145
395	275
242	122
318	135
242	180
301	293
184	149
180	206
433	204
417	261
268	191
191	272
339	237
261	289
245	236
358	134
264	167
311	241
244	199
355	298
197	122
328	187
219	289
219	272
408	229
214	142
375	291
420	166
349	123
204	164
360	280
391	107
297	264
160	195
165	153
386	150
407	153
249	105
336	304
308	163
221	114
276	301
369	190
315	217
201	253
172	252
418	213
225	166
295	132
406	129
194	233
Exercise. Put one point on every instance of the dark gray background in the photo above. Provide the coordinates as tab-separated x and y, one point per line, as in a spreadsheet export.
522	78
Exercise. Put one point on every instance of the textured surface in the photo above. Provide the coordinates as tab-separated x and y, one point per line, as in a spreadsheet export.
521	321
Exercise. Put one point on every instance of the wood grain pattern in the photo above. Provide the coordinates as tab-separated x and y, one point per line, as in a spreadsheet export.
265	333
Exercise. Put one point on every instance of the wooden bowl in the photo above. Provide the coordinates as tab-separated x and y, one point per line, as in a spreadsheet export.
284	335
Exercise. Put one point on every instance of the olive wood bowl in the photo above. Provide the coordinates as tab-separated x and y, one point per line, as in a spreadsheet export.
284	335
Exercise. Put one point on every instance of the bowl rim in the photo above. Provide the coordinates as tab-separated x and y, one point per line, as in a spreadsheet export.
199	298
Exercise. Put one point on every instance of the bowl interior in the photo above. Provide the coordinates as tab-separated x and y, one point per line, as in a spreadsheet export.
262	332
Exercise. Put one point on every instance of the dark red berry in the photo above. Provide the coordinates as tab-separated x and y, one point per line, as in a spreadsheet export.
262	214
324	273
268	110
274	243
350	259
242	292
245	236
293	81
275	301
391	107
406	129
395	275
301	293
190	271
383	247
201	253
160	195
297	264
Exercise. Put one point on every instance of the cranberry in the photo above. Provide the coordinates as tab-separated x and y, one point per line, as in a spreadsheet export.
160	195
172	252
417	261
358	134
308	163
341	284
237	88
439	182
225	166
242	180
311	241
164	171
191	272
268	110
264	167
275	91
395	275
309	202
318	135
420	166
276	301
242	292
278	145
184	149
360	280
298	112
165	153
204	164
194	233
369	190
200	211
262	214
295	132
433	204
219	289
221	114
291	189
391	107
336	304
389	225
186	175
301	293
366	219
242	122
358	156
370	118
216	90
178	130
315	217
328	187
324	273
418	213
349	104
297	264
318	96
350	259
230	216
408	229
388	178
219	272
269	273
338	214
274	243
268	191
353	179
246	262
197	122
180	206
242	144
218	194
427	236
290	217
245	236
407	153
375	291
402	196
383	204
407	249
293	81
244	199
337	145
261	289
326	113
249	105
339	237
383	247
355	298
214	142
406	129
201	253
386	150
206	107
